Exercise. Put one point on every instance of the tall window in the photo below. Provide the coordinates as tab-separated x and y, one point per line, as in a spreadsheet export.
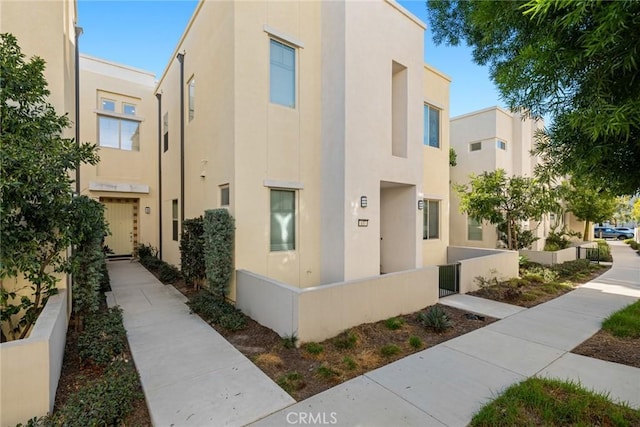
192	94
165	131
502	145
116	132
283	220
224	195
474	229
174	219
431	220
282	74
431	126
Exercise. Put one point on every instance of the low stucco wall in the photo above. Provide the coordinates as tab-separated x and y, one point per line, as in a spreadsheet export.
475	262
31	367
321	312
555	257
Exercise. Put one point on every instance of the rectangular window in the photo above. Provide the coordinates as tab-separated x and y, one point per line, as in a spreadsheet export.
174	219
475	146
129	109
474	229
119	133
192	94
224	195
165	131
283	220
282	74
108	105
431	126
399	96
431	220
501	144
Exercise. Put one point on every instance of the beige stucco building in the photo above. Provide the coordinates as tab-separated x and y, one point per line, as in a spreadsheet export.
306	122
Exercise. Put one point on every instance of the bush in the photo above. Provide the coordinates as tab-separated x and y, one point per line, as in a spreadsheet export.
218	250
192	251
290	341
571	269
394	323
217	311
435	318
604	251
389	350
168	273
151	262
144	251
314	348
415	342
345	340
104	337
103	402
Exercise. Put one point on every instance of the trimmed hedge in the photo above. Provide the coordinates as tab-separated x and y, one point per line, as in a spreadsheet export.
192	251
219	231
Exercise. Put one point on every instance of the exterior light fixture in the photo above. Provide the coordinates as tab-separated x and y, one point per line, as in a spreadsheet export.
420	204
363	201
147	210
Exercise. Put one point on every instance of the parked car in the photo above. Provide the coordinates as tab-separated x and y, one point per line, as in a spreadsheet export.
612	233
625	229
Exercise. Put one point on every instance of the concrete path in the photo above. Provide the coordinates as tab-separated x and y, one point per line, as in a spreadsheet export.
191	376
482	306
448	383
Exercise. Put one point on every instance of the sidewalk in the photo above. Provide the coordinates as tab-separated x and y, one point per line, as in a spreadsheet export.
190	375
448	383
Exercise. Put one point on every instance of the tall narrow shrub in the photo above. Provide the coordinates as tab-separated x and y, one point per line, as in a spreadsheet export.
192	251
218	250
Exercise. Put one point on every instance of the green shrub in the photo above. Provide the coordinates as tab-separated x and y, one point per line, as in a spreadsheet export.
168	273
314	348
291	381
415	342
103	402
151	262
218	250
192	251
571	269
541	274
290	341
389	350
345	340
604	250
435	318
217	311
394	323
512	293
349	362
146	251
103	338
634	245
326	372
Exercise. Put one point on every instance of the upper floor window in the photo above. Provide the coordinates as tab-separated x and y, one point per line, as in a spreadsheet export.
431	220
224	195
165	131
192	94
474	229
107	105
115	131
174	219
502	145
129	109
282	76
475	146
431	126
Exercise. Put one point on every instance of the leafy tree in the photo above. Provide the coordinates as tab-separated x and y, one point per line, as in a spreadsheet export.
623	211
505	201
588	203
575	61
636	210
35	185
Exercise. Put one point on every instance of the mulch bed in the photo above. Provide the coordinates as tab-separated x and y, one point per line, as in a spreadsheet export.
605	346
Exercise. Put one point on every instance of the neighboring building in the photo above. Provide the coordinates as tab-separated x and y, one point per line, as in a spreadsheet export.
306	122
487	140
118	113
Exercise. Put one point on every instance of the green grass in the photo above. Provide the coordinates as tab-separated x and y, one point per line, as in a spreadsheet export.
314	348
389	350
415	342
346	340
326	372
394	323
291	381
349	362
547	402
624	323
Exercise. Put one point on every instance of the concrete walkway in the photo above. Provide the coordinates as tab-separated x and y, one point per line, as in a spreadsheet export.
190	375
448	383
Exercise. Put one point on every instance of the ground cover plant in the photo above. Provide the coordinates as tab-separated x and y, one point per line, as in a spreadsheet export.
538	401
538	283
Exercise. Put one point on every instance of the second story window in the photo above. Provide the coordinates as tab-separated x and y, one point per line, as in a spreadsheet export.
475	146
115	131
431	126
165	131
282	78
502	145
192	98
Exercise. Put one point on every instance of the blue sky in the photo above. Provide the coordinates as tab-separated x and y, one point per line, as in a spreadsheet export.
144	34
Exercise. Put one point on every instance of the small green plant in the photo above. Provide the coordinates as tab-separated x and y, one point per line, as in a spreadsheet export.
634	245
415	342
571	269
219	232
604	250
346	340
217	311
103	402
291	381
290	341
389	350
394	323
326	372
104	337
492	280
168	273
435	318
624	323
512	293
192	251
314	348
349	362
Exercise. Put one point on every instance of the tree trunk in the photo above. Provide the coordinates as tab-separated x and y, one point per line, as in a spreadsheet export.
585	235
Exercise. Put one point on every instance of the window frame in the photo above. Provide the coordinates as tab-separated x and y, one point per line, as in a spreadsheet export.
174	220
426	229
472	144
223	188
426	117
119	132
475	226
165	132
294	72
291	245
191	102
102	102
501	142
